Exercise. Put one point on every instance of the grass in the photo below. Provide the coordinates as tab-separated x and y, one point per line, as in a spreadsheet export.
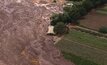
77	59
86	46
85	38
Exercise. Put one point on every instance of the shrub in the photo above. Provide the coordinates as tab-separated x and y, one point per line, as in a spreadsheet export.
63	17
103	30
60	28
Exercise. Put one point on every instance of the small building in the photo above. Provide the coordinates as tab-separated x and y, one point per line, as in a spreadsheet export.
68	4
50	30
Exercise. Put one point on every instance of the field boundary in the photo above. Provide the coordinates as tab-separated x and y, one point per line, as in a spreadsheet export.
87	46
87	30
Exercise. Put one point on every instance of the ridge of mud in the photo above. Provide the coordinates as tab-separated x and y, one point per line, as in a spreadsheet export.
23	39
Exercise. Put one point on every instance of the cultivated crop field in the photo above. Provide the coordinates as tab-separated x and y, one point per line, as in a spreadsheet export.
95	19
83	48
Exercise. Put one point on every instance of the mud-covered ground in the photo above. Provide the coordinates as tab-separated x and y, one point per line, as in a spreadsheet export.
23	39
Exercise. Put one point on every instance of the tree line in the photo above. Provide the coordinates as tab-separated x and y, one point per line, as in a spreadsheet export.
72	13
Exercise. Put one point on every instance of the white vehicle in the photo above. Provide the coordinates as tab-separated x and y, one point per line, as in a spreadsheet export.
51	30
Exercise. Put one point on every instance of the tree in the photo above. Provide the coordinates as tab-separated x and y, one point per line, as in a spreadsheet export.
103	30
60	28
96	2
103	1
63	17
87	4
80	9
74	13
54	19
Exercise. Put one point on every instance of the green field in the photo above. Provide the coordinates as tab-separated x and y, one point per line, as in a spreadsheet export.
85	46
77	59
102	10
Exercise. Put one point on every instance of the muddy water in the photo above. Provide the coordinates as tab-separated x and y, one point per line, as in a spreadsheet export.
23	39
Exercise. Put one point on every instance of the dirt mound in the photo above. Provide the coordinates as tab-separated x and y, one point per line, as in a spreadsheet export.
23	39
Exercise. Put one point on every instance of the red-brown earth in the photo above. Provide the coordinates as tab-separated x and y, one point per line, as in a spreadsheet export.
94	20
23	39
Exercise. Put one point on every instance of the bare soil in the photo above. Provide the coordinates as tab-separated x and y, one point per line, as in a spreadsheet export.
94	20
23	39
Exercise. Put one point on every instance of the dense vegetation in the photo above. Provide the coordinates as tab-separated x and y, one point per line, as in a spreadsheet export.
74	12
60	28
103	30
